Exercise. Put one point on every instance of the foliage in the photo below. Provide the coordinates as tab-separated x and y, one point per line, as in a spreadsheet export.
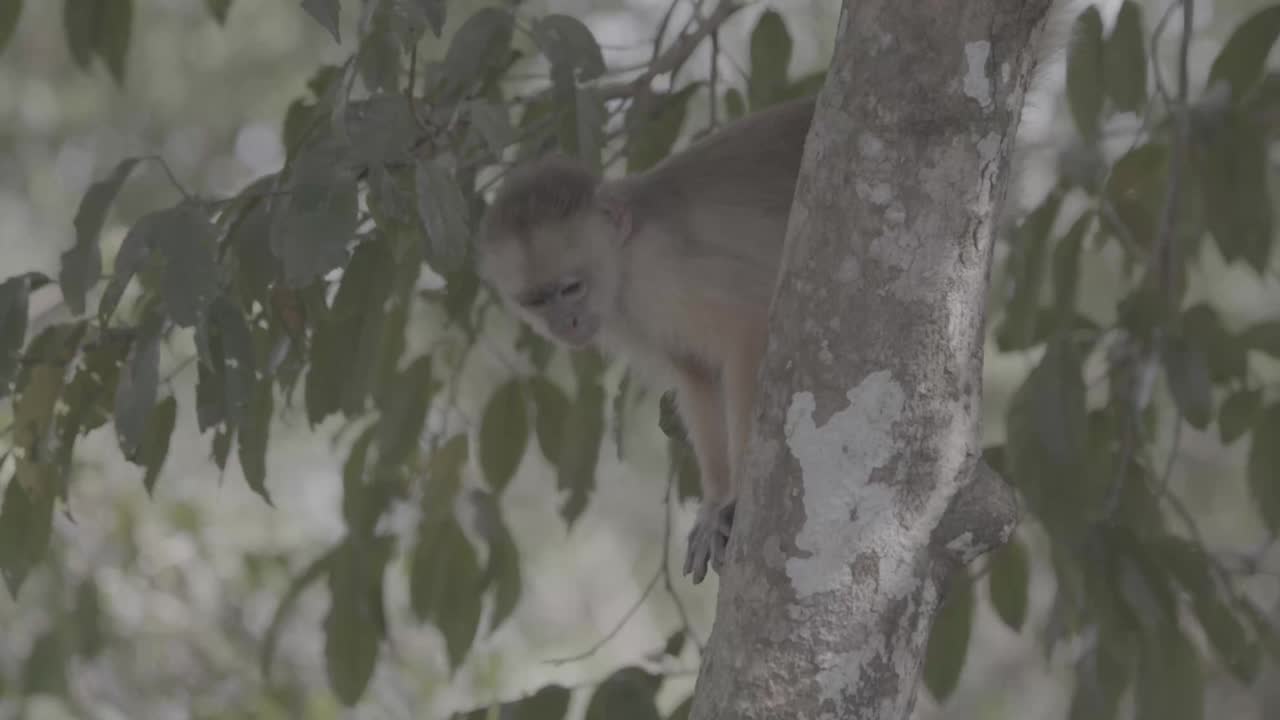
304	282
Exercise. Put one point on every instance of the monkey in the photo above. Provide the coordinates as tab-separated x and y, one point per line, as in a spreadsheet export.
673	269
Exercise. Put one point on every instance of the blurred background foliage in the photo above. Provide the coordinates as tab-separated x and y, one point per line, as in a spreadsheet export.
268	449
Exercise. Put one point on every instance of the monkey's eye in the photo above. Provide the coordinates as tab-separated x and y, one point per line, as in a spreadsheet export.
572	289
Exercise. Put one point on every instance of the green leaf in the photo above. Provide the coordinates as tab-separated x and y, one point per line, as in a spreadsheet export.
82	264
1170	683
551	413
433	12
10	11
155	444
254	436
134	252
549	703
770	60
14	294
382	127
653	129
444	216
26	523
400	425
314	221
580	448
569	44
189	283
1224	352
504	435
1237	414
1027	268
45	671
1084	72
1241	61
682	712
1135	186
1125	58
445	584
503	568
355	627
219	9
1189	381
327	13
378	60
627	694
1009	584
99	27
1048	438
482	42
227	371
136	393
1264	337
1066	266
1235	189
444	472
734	106
348	337
1240	653
1264	466
492	123
949	640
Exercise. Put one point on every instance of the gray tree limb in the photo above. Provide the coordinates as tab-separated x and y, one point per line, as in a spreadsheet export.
860	494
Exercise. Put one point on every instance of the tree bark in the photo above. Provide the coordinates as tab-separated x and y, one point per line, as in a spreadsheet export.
860	495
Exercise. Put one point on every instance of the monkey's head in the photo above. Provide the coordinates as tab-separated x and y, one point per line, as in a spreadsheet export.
550	246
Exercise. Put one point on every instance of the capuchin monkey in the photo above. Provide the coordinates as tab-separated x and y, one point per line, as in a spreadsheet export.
673	269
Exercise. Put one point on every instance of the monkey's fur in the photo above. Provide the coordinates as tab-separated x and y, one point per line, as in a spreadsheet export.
673	269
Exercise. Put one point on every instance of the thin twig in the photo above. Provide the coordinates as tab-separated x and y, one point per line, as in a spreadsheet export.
675	55
635	607
169	172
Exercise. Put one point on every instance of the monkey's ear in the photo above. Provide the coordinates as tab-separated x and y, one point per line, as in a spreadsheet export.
618	213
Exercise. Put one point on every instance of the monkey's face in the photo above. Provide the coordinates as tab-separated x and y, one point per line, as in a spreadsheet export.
562	279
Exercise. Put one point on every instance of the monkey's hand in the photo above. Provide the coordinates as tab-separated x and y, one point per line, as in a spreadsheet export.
709	539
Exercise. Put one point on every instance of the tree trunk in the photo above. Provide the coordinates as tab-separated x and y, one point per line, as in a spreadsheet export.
860	495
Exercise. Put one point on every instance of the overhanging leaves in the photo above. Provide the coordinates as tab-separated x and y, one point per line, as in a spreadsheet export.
1125	58
444	216
1084	72
136	393
26	520
99	27
9	14
1264	466
1009	583
1240	62
569	45
155	444
482	42
327	13
14	294
355	625
652	130
445	584
81	266
771	48
315	219
628	694
504	435
949	640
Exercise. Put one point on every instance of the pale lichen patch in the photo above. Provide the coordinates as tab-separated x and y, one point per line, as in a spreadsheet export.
842	508
976	83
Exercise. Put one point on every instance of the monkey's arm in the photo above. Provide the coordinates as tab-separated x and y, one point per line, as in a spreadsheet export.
699	401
